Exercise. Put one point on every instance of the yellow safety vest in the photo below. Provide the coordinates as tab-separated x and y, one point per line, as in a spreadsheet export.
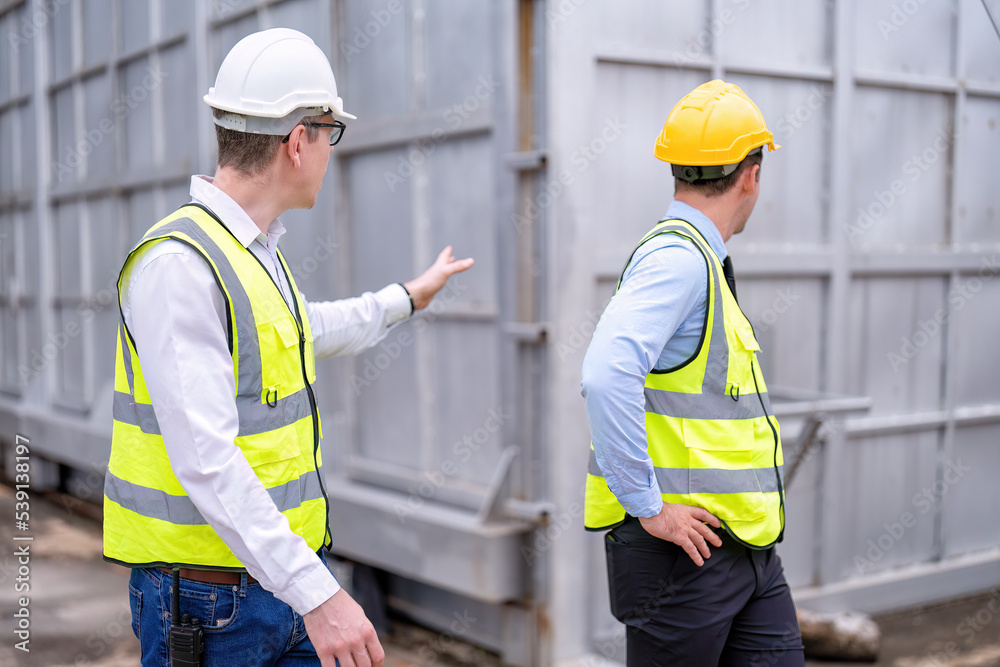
148	518
711	436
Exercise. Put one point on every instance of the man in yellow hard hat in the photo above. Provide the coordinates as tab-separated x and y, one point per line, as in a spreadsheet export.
685	467
215	468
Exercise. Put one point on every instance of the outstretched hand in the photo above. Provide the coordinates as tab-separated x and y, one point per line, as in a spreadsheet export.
423	288
685	526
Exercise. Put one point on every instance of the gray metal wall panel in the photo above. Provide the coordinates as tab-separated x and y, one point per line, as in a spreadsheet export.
902	186
376	64
67	251
97	144
135	25
381	231
792	207
384	389
29	158
8	67
226	35
969	493
788	315
61	44
181	117
802	511
176	18
72	388
917	40
975	301
138	123
648	24
98	24
7	158
468	425
65	159
632	206
887	527
978	217
745	26
141	214
461	191
980	47
453	27
300	15
884	314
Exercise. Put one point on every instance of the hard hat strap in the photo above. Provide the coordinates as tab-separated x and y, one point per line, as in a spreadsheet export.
692	173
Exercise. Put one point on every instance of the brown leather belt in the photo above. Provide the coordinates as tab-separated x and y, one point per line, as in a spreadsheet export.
210	576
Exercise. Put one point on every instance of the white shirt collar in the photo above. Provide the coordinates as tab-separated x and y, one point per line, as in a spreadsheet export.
203	191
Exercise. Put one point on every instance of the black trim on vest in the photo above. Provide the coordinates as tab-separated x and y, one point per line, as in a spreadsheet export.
218	281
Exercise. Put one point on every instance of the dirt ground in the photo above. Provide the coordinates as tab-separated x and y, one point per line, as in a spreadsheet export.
79	616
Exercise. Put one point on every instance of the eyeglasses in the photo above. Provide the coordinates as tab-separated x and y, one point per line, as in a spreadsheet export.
336	134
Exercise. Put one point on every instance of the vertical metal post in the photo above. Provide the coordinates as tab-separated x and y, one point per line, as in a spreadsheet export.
946	448
836	348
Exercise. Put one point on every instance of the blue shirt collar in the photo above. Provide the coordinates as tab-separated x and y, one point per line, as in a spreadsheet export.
702	223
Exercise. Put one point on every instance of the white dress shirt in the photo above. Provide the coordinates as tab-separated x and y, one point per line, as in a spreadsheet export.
176	314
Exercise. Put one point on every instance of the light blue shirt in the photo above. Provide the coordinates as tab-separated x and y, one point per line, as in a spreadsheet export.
655	320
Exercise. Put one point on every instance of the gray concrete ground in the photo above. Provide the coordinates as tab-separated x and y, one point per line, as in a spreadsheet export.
79	616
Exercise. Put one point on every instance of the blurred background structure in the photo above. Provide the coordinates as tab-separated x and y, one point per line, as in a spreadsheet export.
521	131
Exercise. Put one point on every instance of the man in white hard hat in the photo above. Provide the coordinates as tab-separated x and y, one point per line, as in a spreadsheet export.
215	467
686	469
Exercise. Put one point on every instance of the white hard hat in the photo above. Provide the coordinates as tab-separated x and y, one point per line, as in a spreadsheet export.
273	79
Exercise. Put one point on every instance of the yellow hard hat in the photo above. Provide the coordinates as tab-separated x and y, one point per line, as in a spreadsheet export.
714	124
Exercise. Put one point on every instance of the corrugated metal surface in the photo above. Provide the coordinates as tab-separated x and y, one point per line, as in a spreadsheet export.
521	131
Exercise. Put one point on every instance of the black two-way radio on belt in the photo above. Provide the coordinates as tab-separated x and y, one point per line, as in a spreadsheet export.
186	641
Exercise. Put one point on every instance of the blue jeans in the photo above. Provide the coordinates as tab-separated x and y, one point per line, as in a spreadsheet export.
243	624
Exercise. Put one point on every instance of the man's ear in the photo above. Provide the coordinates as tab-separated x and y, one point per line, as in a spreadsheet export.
293	146
750	178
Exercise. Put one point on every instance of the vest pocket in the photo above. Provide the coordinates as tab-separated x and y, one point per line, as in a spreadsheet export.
264	450
281	367
721	475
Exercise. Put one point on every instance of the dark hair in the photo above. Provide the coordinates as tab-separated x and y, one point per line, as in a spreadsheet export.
248	152
720	186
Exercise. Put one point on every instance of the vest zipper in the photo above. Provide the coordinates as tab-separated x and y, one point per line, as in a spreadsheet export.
327	537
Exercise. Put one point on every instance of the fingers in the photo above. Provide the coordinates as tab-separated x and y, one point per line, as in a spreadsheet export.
687	545
704	515
362	659
444	256
375	650
708	534
458	265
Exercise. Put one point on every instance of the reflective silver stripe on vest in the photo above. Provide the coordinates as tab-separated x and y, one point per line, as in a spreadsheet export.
255	416
126	410
127	356
703	406
683	481
179	510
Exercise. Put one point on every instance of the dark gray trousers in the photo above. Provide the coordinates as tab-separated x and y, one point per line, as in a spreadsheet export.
734	611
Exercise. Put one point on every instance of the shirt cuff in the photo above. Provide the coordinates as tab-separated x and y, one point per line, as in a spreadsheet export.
643	504
395	302
310	590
